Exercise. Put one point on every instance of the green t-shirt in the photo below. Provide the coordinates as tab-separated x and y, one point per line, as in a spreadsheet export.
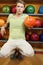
17	28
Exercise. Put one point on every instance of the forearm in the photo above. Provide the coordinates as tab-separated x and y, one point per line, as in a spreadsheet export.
4	26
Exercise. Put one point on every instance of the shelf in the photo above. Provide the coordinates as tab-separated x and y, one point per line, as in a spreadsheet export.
35	42
28	41
28	14
35	14
38	50
3	40
5	14
37	28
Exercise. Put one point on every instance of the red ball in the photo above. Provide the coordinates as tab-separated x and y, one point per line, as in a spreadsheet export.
42	24
13	9
27	37
34	37
38	23
0	36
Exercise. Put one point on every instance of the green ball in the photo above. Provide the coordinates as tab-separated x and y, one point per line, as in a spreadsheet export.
30	9
6	9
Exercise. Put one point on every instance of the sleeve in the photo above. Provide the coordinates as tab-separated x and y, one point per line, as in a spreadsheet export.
9	17
26	15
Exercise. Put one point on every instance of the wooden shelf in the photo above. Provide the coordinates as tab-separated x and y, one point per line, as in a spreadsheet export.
38	50
28	14
3	40
6	14
28	41
37	28
35	42
35	14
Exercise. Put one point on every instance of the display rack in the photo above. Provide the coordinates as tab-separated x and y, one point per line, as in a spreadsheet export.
36	28
35	3
6	14
36	42
28	14
3	40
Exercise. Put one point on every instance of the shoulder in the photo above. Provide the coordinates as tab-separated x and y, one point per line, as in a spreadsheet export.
25	14
10	15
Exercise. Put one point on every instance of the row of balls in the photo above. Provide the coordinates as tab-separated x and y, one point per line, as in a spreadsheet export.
9	9
38	23
34	37
31	21
29	9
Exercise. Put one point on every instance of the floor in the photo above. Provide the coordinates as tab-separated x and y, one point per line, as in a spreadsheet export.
37	59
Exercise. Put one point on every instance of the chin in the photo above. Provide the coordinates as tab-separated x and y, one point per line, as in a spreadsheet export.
19	13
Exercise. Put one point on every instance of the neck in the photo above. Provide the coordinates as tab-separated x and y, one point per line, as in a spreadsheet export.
18	14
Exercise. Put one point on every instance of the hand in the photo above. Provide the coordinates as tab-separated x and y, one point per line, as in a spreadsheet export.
3	31
30	28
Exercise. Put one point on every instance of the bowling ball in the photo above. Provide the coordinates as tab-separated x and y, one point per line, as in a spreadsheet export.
27	37
2	22
30	32
39	32
0	36
34	37
6	9
41	37
30	9
41	9
29	21
13	9
42	24
38	23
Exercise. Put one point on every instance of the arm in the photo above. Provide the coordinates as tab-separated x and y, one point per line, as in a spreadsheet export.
3	30
8	19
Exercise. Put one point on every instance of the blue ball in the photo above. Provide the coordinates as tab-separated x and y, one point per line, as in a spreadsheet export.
41	9
41	37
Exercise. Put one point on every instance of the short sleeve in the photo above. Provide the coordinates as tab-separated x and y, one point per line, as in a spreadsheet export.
9	17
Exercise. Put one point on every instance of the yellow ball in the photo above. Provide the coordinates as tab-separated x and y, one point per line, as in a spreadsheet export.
2	22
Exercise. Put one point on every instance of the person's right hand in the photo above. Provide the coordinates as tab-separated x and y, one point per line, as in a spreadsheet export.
3	31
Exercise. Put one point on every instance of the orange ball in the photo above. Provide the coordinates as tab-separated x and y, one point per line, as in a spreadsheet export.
2	22
29	21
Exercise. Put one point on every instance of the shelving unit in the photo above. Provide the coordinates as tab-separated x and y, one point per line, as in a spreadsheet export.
36	28
28	14
34	3
36	42
3	40
28	41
